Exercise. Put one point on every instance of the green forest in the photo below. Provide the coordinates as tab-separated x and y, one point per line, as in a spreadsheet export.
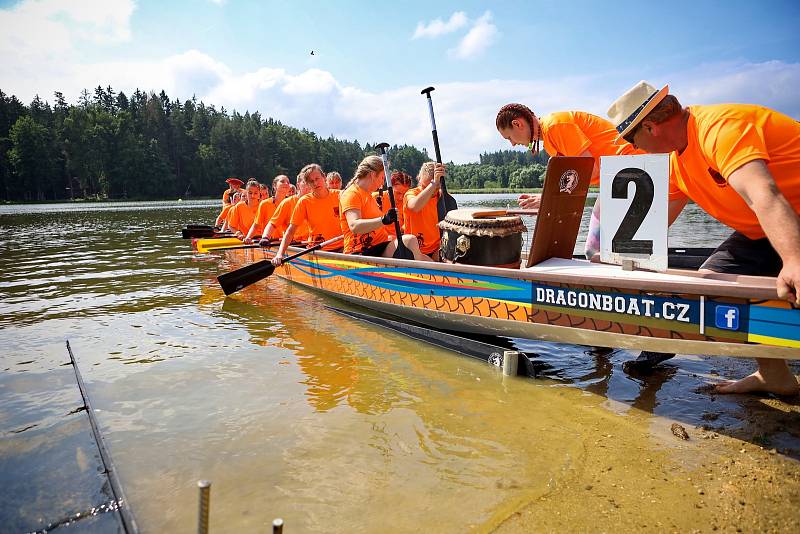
146	146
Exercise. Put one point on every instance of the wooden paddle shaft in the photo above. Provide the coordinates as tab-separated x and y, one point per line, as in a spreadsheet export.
503	213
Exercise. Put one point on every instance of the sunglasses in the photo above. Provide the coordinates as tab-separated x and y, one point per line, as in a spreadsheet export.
630	135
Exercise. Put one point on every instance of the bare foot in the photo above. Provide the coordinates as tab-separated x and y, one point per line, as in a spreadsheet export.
775	382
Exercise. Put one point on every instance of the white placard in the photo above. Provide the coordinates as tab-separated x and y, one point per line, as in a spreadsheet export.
633	226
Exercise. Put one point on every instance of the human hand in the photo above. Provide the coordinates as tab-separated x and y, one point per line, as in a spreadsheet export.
277	260
788	283
439	171
390	217
529	201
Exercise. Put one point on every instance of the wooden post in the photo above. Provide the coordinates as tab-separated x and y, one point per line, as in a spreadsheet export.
205	499
510	362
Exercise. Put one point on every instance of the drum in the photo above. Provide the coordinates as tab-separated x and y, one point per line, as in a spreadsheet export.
489	241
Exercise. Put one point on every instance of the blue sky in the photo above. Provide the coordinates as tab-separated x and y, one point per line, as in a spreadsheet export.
371	59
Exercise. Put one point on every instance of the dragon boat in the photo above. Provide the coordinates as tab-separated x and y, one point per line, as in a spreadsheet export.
550	295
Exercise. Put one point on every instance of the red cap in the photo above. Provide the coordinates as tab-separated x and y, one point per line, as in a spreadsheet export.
235	181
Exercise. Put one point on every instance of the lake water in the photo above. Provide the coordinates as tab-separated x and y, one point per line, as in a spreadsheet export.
294	411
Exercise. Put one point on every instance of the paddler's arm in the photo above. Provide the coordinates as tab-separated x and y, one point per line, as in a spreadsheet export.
358	225
674	208
755	184
268	231
281	252
250	233
418	202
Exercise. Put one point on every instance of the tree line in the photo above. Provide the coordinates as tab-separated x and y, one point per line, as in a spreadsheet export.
147	146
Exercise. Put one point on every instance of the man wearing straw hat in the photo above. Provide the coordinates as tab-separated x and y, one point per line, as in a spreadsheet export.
741	164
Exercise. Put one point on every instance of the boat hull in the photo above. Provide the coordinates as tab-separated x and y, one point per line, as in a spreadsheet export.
567	301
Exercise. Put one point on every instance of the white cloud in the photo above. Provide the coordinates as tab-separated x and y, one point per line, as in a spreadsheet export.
480	37
438	27
51	26
313	98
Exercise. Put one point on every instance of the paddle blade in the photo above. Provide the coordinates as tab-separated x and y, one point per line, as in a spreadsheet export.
402	252
235	280
190	233
450	202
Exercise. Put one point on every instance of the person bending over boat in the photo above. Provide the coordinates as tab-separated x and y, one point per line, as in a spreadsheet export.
334	181
420	211
241	216
363	225
267	207
319	210
741	164
283	215
401	182
564	133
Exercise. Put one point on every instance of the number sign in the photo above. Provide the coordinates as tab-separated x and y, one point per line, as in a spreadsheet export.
634	210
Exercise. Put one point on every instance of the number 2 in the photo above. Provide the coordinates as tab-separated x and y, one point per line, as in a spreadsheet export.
623	240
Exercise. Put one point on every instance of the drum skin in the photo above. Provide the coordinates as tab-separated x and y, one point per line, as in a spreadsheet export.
490	241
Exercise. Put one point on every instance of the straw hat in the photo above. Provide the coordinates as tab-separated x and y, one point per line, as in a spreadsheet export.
234	182
634	105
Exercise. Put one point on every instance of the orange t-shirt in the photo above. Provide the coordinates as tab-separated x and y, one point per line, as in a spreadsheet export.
356	198
724	137
226	196
384	204
241	217
283	216
423	224
223	215
571	133
266	209
322	217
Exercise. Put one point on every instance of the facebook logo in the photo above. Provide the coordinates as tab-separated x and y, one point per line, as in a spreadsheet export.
727	317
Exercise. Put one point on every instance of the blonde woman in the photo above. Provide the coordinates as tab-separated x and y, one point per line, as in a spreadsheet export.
362	221
420	212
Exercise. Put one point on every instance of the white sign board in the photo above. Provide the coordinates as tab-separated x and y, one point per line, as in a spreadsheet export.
634	210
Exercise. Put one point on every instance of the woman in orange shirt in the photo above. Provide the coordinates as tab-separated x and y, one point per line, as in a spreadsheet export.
319	210
564	133
283	215
241	216
228	198
401	182
420	211
333	180
267	207
362	222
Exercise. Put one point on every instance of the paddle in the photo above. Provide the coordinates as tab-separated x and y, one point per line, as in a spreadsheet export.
503	213
402	251
235	280
191	233
446	201
264	243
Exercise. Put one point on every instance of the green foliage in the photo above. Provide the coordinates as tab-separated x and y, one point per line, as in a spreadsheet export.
113	145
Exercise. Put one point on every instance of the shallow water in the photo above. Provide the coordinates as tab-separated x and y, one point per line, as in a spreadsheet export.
294	411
